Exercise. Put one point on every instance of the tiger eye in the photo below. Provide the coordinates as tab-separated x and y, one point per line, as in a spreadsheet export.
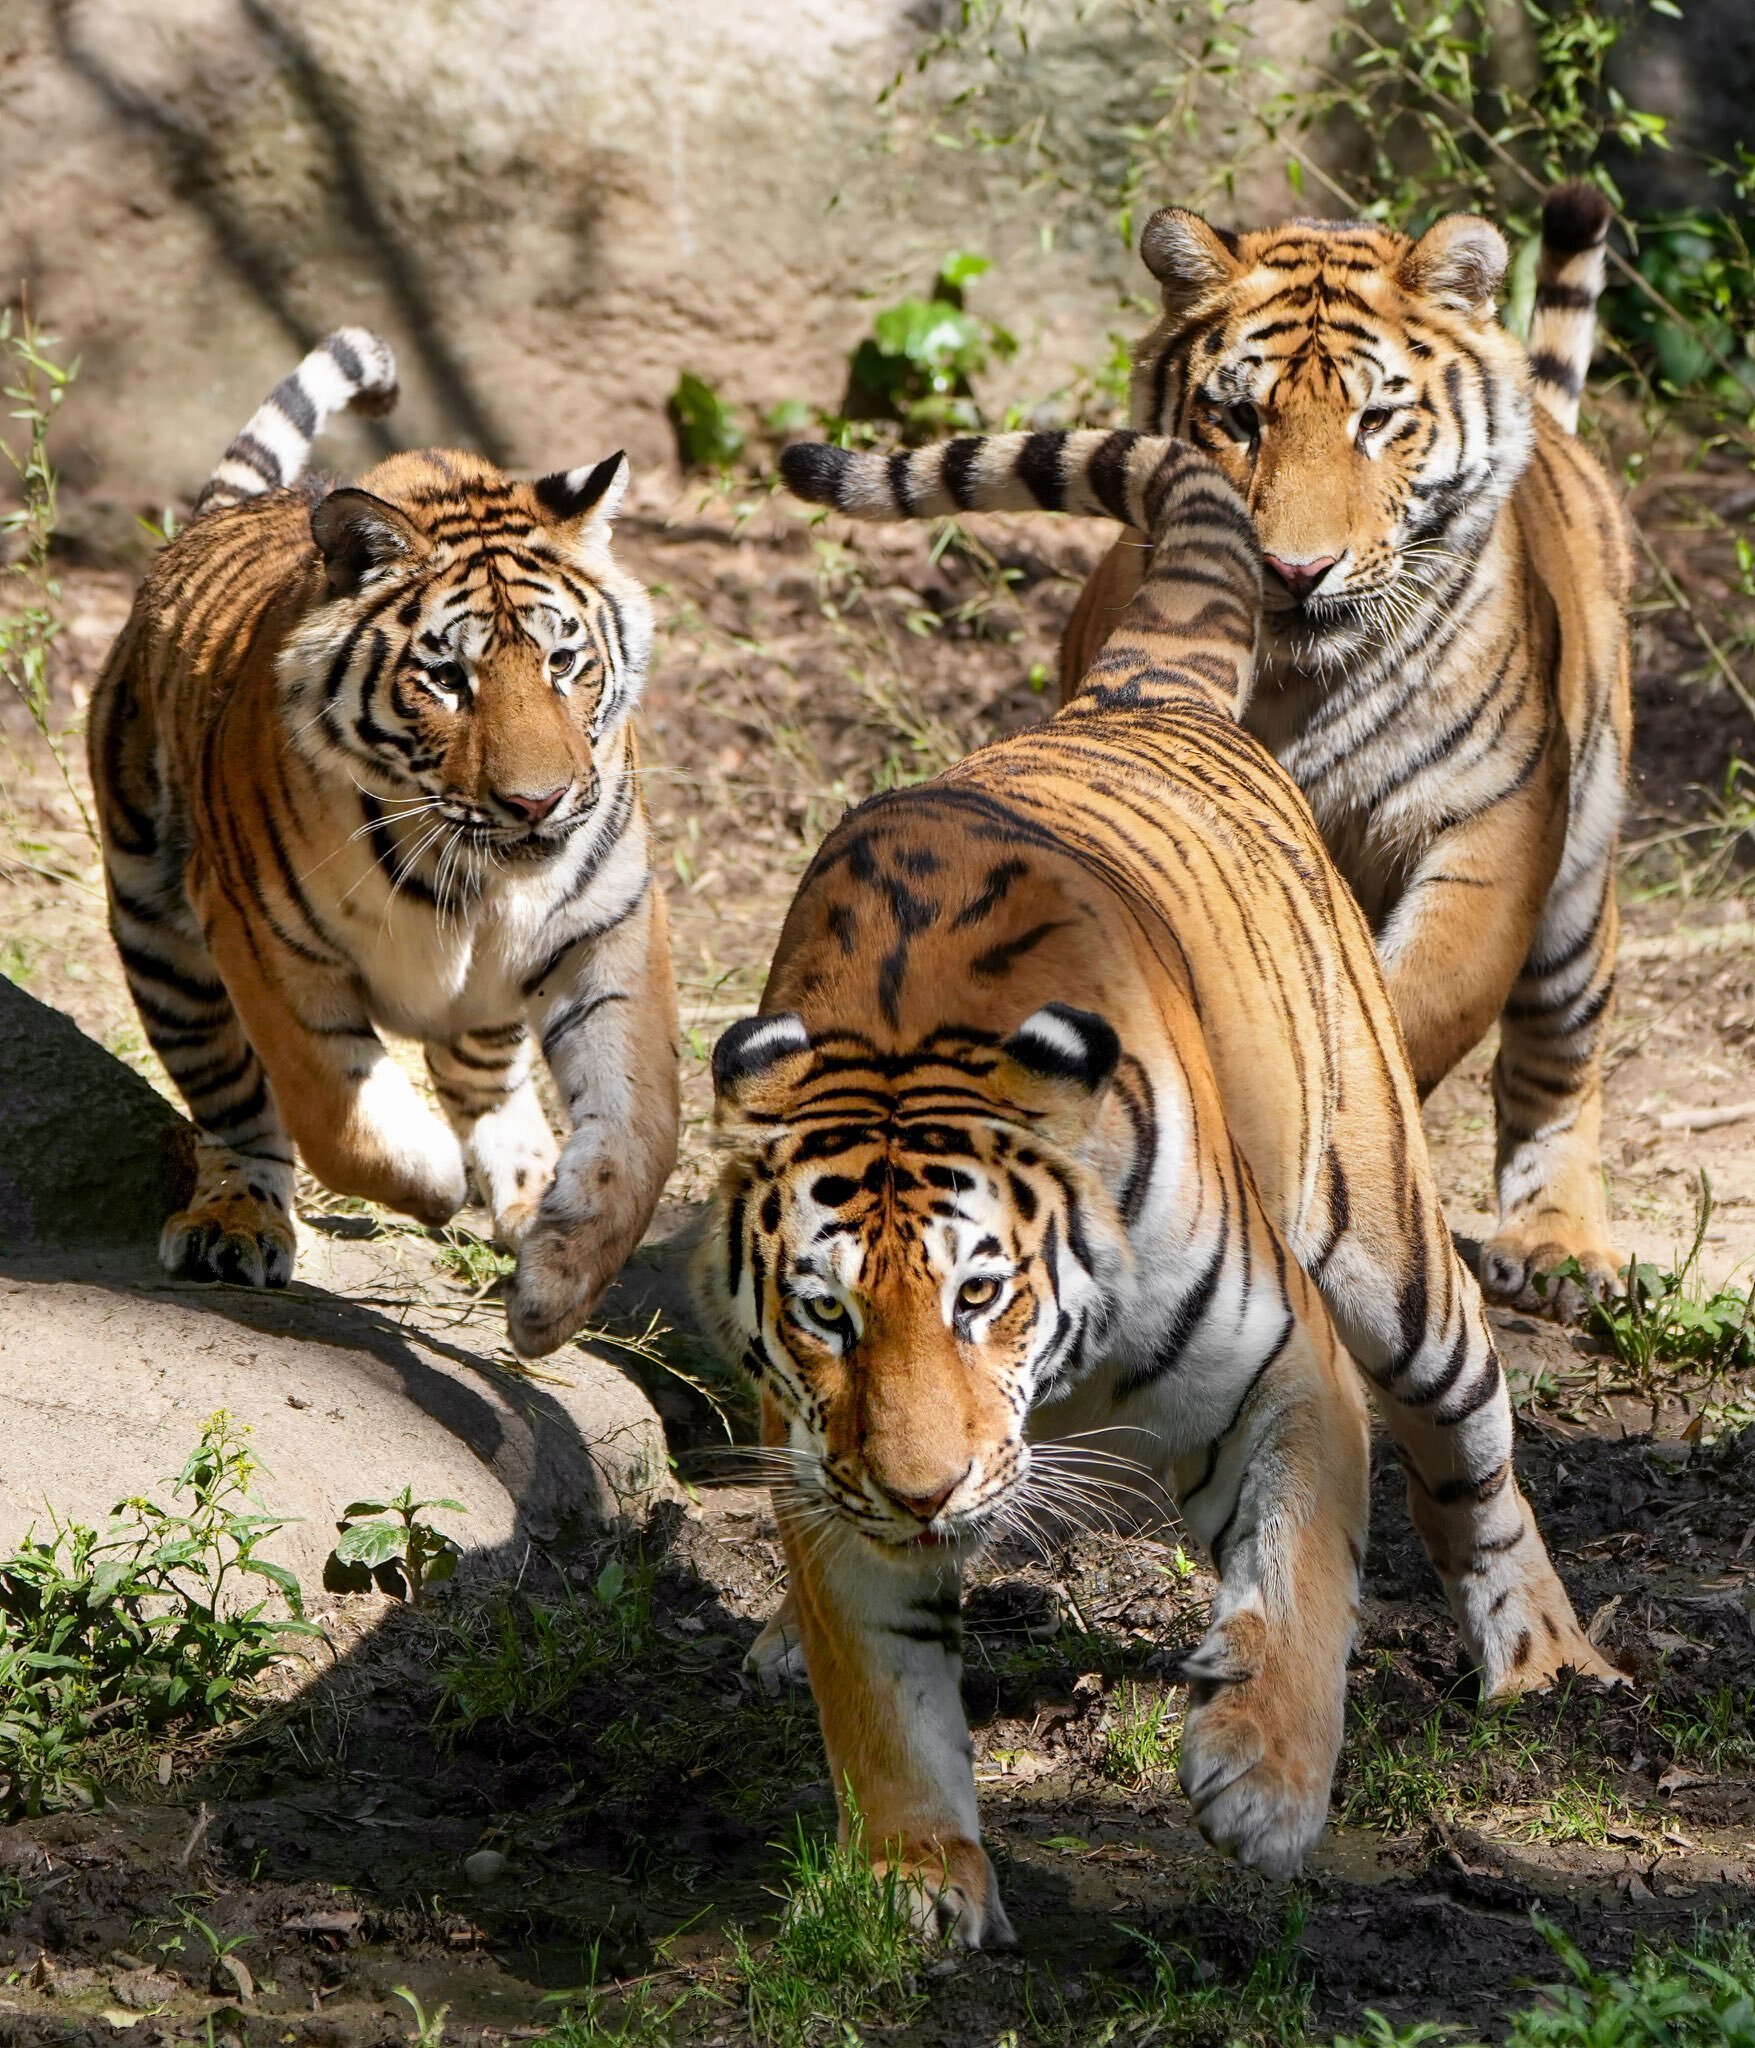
974	1294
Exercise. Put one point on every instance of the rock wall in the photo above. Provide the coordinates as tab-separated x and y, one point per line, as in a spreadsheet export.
550	206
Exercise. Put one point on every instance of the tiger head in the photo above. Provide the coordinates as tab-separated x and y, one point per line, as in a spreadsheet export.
474	652
1357	388
909	1251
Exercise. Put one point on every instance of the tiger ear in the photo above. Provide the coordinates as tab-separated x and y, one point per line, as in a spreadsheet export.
357	533
589	495
1459	263
1058	1065
758	1063
1187	255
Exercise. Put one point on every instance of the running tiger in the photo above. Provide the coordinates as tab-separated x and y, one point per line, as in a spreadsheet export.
1443	663
1075	1118
364	758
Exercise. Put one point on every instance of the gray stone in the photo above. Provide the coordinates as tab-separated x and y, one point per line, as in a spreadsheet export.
88	1150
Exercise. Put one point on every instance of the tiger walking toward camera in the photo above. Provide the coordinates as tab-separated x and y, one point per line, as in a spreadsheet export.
364	758
1075	1117
1443	664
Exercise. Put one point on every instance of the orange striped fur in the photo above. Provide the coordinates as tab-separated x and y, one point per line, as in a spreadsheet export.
1073	1161
1443	664
364	759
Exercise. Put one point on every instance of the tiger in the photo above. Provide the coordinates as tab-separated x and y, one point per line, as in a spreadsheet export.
1074	1115
363	759
1443	664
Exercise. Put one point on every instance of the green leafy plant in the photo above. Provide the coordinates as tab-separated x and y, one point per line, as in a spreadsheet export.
386	1541
429	2027
1663	1317
1140	1740
1698	1997
109	1632
707	432
30	596
917	363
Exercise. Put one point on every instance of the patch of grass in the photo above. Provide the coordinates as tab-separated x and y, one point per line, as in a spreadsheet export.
1669	1318
107	1634
1701	1996
1141	1739
1717	1734
1187	2004
472	1261
518	1663
845	1952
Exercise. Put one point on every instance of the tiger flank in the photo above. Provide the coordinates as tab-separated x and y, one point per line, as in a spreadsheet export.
1073	1155
365	759
1443	660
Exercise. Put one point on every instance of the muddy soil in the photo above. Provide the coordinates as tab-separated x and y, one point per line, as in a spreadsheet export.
631	1820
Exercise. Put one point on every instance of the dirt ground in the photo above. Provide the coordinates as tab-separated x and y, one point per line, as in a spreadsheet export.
635	1816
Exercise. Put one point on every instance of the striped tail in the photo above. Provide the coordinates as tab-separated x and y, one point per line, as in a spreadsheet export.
349	369
1569	282
1193	622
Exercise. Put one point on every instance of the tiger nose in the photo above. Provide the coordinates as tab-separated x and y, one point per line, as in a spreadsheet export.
925	1505
532	805
1301	578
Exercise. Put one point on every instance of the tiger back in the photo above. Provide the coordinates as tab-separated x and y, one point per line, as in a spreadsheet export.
1443	662
363	758
1073	1154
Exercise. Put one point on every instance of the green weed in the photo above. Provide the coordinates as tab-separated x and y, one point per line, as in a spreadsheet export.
472	1261
104	1634
1717	1734
707	433
845	1951
917	364
1698	1997
30	596
386	1541
517	1664
429	2027
1141	1738
1185	2004
1670	1318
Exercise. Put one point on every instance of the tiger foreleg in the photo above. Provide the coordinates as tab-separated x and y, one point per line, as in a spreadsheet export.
605	1017
357	1119
483	1079
1108	590
1548	1092
882	1638
1280	1502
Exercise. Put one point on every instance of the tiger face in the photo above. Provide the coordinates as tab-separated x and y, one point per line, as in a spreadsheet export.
473	672
1357	389
908	1254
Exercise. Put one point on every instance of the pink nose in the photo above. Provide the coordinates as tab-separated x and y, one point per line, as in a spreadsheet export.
1301	578
533	807
925	1505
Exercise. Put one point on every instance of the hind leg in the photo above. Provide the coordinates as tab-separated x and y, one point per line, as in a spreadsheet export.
238	1224
483	1079
1548	1091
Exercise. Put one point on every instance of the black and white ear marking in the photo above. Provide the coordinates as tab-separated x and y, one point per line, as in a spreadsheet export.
753	1044
592	490
357	533
1187	255
1064	1044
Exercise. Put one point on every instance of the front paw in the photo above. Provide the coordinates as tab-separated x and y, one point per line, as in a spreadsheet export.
1258	1756
561	1271
950	1891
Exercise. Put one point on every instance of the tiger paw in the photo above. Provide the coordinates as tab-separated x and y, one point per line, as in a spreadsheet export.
242	1239
776	1657
1522	1266
1258	1755
1533	1642
950	1891
559	1275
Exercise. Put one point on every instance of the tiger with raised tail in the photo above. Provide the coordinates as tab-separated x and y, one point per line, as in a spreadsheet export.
364	758
1075	1106
1443	662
